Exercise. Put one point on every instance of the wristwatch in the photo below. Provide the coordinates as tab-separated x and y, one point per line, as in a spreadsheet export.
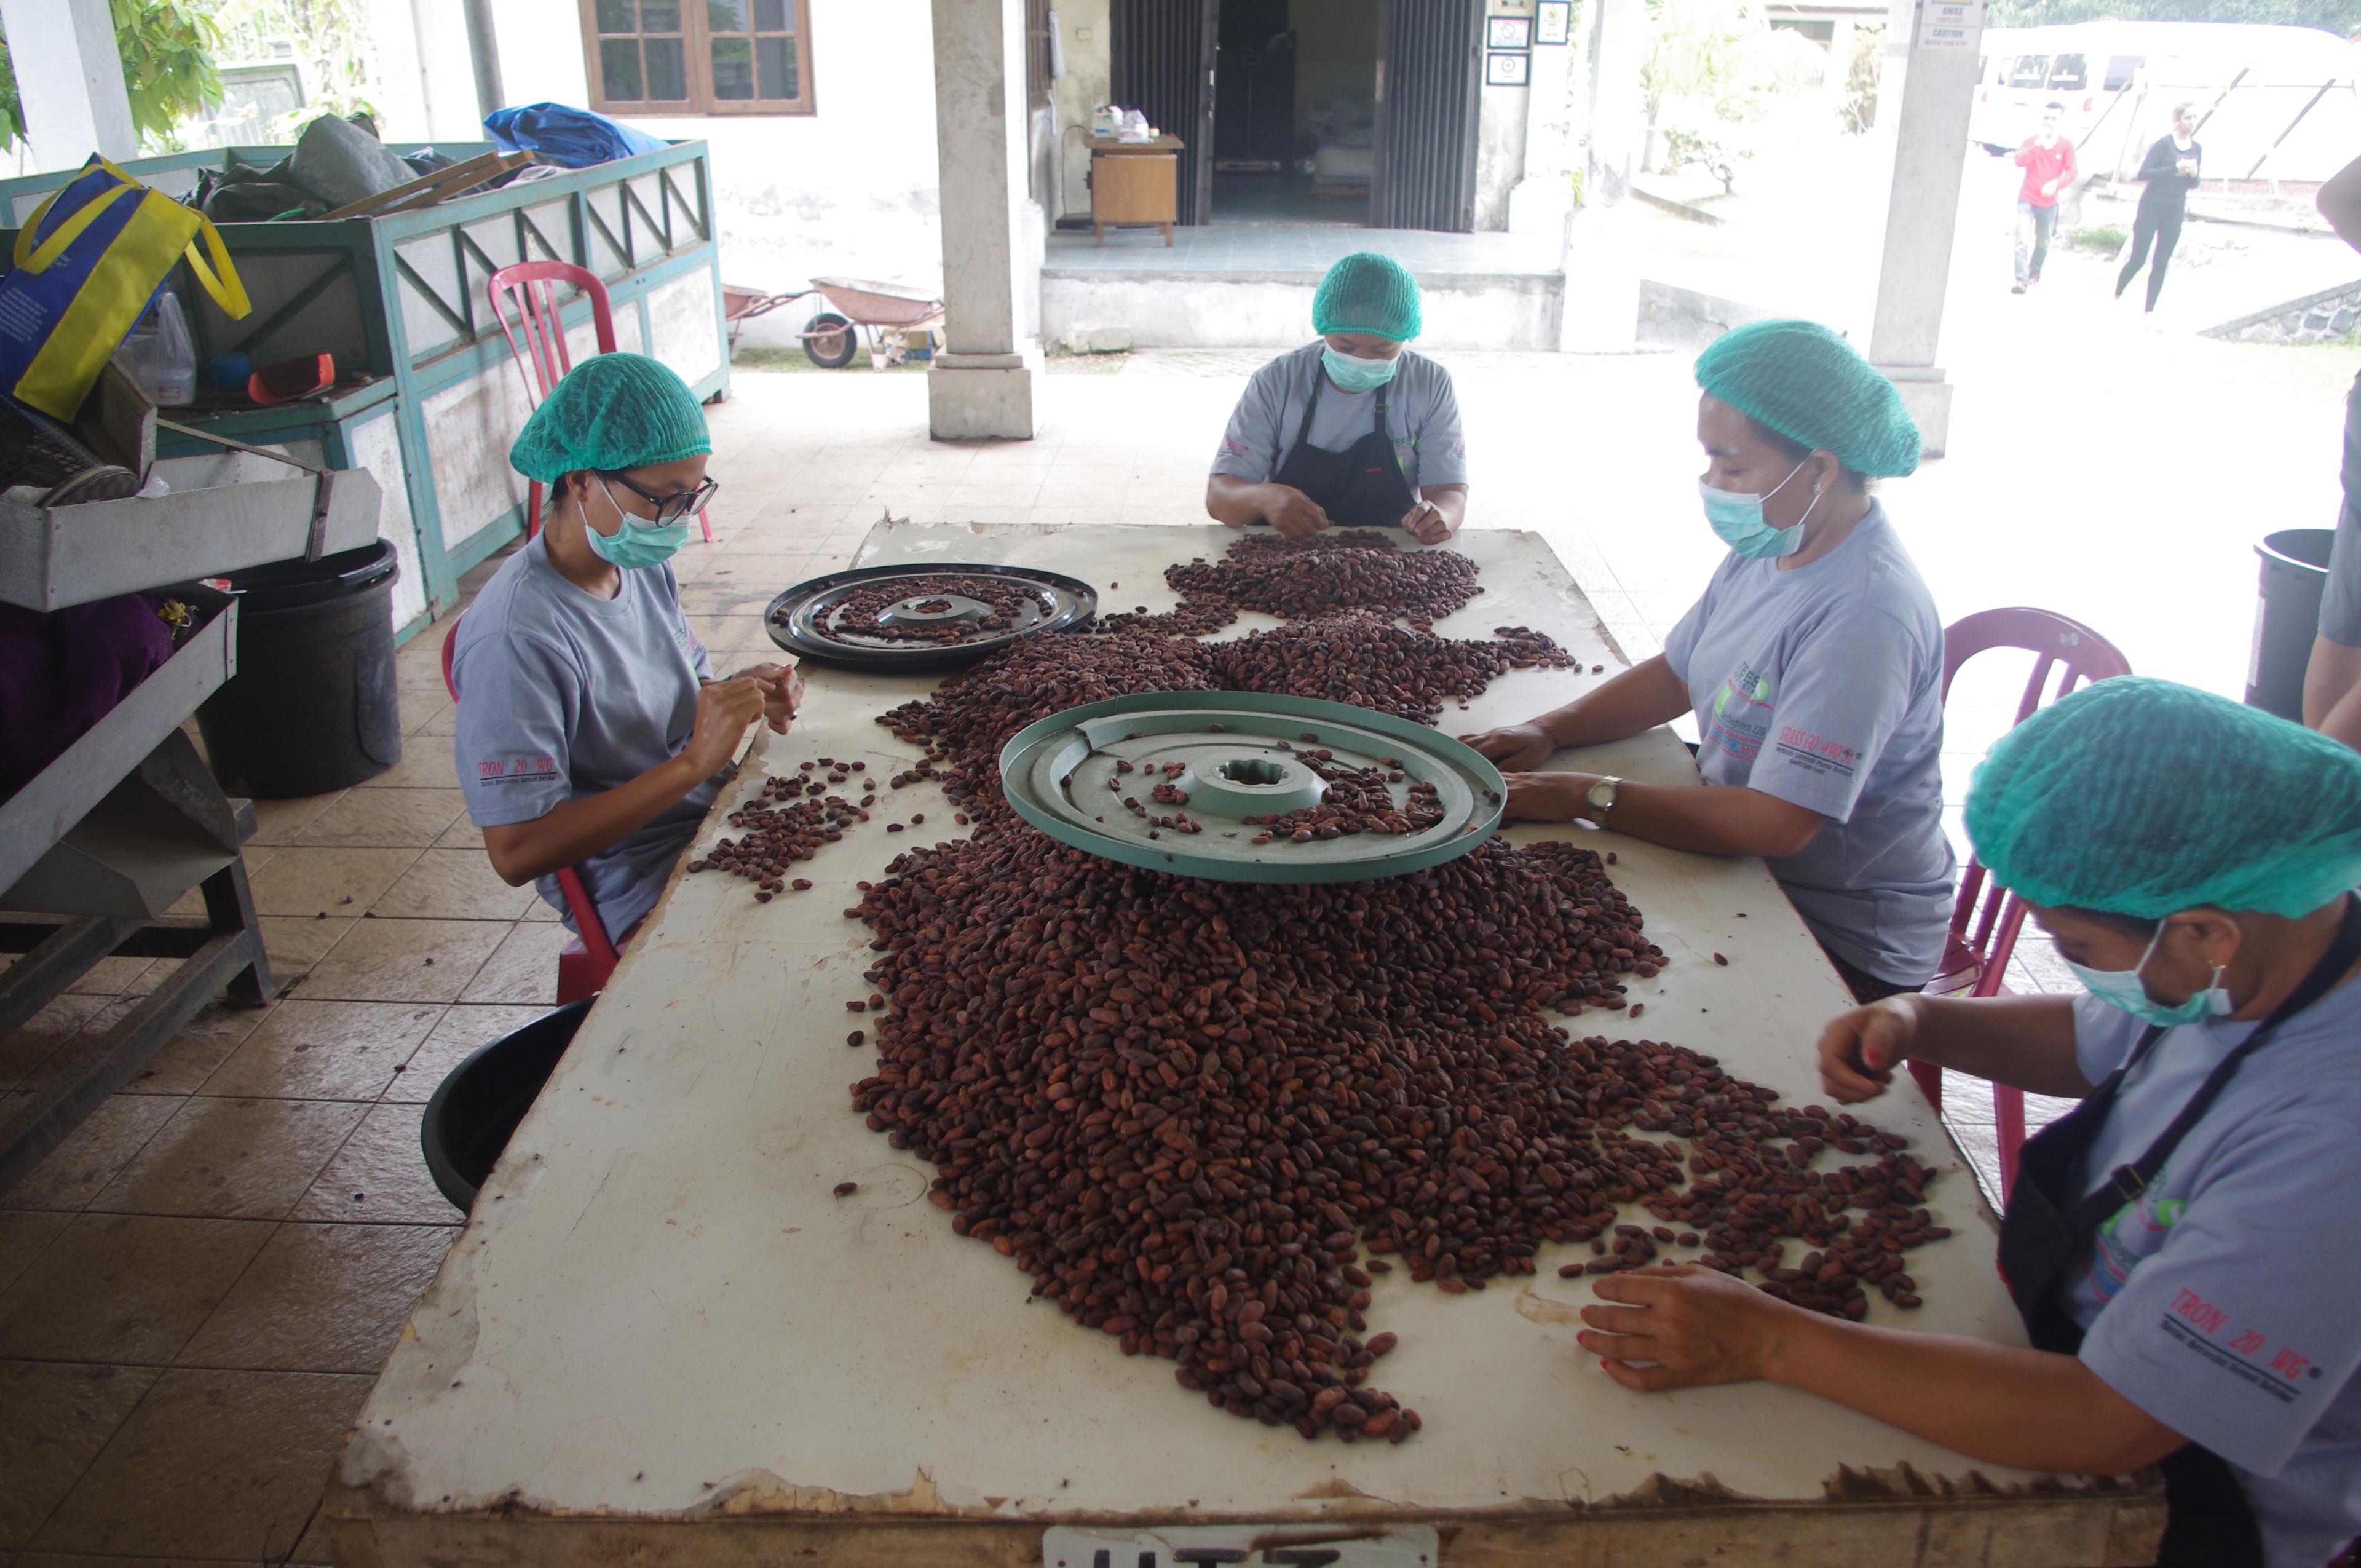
1601	797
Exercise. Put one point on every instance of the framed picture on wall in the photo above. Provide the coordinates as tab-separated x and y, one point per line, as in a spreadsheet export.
1504	67
1553	20
1508	32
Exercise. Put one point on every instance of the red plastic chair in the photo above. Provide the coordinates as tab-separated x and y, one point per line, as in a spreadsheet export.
1986	919
584	964
537	338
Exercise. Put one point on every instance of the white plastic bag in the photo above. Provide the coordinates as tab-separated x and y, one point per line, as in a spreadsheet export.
158	354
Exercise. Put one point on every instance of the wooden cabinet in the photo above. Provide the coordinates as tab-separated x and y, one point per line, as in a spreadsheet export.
1135	183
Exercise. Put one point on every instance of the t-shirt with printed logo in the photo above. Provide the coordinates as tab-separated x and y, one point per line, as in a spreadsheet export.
1822	686
563	694
2222	1302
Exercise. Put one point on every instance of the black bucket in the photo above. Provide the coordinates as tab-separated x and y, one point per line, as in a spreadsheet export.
476	1108
2295	571
314	707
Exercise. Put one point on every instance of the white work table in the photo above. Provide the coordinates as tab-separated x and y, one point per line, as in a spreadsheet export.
662	1339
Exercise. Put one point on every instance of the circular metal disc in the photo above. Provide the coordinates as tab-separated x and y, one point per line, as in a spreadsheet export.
1241	755
807	621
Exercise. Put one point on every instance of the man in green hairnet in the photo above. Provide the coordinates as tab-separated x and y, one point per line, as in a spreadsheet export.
1813	664
591	732
1353	430
2185	1247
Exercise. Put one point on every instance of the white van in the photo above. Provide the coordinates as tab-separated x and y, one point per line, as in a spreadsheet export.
2274	103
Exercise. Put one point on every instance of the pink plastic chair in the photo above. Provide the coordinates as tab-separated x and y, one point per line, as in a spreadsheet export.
584	964
537	338
1986	919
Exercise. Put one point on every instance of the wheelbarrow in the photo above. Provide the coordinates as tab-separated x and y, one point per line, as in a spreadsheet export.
891	312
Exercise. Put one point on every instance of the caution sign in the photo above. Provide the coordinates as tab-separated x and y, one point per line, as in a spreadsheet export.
1951	24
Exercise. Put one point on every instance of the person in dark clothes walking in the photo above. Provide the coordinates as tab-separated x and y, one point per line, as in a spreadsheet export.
2170	169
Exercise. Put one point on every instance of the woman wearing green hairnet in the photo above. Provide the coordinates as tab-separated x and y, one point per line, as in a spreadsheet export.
1353	430
591	732
2184	1247
1813	664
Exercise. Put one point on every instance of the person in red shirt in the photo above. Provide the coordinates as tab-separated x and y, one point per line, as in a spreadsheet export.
2047	160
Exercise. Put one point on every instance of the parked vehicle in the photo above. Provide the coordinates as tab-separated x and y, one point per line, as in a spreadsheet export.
898	320
2273	103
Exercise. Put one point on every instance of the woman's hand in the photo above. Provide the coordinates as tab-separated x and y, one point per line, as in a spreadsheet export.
1547	797
783	692
1293	513
1696	1326
1859	1049
1518	748
725	711
1426	523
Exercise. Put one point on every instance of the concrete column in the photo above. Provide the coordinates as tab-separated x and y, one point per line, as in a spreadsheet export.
1539	202
1935	90
983	386
69	81
1602	312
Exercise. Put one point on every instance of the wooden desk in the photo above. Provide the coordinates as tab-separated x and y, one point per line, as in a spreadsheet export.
1135	183
661	1340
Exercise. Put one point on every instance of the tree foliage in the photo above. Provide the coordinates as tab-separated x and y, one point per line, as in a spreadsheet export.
168	49
2340	16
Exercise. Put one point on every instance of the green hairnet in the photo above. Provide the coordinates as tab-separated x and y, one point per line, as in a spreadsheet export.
610	412
1367	292
2142	797
1809	385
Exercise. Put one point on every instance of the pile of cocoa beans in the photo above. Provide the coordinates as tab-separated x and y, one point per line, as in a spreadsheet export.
1352	569
855	615
1371	662
1203	1114
780	829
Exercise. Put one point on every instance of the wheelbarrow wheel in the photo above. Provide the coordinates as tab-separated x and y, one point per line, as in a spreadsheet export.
830	341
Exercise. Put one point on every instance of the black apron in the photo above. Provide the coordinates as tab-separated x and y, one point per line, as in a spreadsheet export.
1361	486
2045	1235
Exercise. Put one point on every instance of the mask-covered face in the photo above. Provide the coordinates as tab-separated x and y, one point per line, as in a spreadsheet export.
1354	374
1738	518
636	543
2123	990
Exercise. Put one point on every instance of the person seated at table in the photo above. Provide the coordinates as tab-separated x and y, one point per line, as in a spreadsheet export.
1813	664
591	730
1354	431
2185	1245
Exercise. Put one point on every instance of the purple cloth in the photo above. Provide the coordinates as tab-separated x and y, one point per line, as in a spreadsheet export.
63	672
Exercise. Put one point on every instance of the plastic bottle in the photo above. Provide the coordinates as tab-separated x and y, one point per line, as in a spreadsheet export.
158	354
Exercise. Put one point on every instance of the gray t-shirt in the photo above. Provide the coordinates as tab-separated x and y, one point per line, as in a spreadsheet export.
2339	602
1421	411
562	694
2222	1302
1823	687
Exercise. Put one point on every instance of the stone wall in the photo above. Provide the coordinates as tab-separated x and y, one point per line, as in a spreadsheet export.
2329	317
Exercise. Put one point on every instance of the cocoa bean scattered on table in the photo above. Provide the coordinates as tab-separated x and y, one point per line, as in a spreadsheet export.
1371	662
792	819
1352	569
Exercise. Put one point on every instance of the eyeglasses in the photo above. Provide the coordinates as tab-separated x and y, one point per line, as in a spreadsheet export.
671	508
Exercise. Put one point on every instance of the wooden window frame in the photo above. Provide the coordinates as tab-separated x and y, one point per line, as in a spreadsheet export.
696	44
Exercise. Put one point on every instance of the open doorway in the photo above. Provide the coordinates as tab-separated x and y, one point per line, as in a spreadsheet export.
1295	111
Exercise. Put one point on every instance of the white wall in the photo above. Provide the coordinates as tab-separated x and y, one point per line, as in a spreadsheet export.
428	87
849	191
1499	151
1085	85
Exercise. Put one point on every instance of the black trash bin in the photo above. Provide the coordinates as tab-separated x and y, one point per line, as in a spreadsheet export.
2295	571
476	1108
314	707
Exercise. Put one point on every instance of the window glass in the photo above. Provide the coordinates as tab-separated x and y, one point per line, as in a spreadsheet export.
618	69
777	64
615	16
668	70
733	68
659	16
2067	73
2026	70
770	17
726	16
2120	70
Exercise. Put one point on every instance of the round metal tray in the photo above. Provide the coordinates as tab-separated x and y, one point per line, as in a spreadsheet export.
801	618
1241	755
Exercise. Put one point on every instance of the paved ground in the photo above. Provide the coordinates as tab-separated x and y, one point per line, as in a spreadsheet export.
196	1289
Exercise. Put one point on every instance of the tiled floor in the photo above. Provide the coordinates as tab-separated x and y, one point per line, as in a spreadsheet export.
196	1287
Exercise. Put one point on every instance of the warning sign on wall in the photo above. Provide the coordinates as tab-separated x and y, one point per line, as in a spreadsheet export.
1951	24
